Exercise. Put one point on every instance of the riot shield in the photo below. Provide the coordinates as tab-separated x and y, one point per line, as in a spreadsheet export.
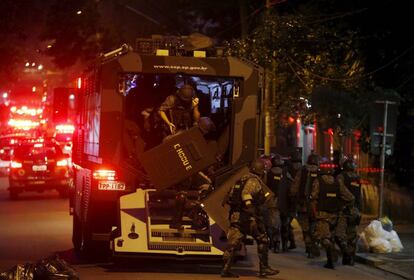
178	158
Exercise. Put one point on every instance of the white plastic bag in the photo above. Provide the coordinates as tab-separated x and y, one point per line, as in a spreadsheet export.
375	230
380	245
362	244
395	242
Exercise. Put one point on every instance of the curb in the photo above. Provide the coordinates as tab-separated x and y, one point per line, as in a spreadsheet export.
381	264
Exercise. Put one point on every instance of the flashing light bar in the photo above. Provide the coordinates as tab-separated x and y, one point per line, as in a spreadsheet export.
104	174
79	83
63	162
24	110
15	164
23	124
65	128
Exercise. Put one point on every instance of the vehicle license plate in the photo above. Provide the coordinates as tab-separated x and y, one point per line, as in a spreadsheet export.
39	167
38	182
111	186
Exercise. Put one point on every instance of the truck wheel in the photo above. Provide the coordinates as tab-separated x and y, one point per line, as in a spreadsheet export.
13	194
77	234
81	239
63	192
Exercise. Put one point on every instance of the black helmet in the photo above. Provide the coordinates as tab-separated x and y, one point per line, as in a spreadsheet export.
185	93
349	165
257	167
296	156
277	161
313	159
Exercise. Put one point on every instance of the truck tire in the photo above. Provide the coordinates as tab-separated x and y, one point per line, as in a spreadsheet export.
77	234
13	194
63	192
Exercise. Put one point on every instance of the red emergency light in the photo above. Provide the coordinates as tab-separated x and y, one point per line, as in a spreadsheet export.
65	128
79	83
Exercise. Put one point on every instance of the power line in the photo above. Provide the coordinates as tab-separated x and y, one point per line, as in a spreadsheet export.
339	16
353	78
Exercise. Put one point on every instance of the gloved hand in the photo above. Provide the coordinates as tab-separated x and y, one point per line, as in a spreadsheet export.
249	209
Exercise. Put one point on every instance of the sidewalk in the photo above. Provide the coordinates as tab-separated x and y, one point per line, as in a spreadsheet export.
401	264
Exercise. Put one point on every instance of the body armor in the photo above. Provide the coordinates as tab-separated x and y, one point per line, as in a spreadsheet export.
274	178
181	114
306	181
353	184
329	198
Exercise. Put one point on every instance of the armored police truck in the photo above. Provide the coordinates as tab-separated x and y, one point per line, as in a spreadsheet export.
138	191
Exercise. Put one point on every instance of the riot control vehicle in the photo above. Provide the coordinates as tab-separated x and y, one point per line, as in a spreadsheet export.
140	188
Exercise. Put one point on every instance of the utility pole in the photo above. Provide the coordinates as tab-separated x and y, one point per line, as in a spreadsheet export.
269	127
382	157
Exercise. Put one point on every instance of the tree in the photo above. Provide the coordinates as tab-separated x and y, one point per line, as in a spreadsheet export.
298	51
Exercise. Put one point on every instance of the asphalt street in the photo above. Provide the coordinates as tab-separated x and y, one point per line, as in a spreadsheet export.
38	225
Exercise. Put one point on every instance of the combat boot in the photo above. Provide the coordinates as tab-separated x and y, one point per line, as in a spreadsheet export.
266	270
276	247
284	246
346	259
226	271
308	252
331	258
228	274
292	244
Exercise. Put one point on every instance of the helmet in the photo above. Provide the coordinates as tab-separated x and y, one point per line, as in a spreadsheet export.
257	167
349	165
185	93
206	125
313	159
296	156
277	161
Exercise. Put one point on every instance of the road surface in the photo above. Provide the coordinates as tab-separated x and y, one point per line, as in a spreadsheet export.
38	225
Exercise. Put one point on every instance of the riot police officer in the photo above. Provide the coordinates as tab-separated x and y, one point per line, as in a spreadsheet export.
300	194
347	229
327	199
245	200
180	111
273	217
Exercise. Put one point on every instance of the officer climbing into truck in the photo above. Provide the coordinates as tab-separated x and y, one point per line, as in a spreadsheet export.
179	111
245	199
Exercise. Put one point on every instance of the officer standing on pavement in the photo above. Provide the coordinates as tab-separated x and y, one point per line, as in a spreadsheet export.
179	111
245	199
274	178
347	229
300	194
327	199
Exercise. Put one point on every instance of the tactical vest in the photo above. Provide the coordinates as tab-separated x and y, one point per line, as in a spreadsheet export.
235	199
284	202
353	184
306	182
181	114
274	178
329	198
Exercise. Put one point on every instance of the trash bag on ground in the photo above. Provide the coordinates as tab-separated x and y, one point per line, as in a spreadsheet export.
52	268
380	245
362	244
381	240
386	223
19	272
396	242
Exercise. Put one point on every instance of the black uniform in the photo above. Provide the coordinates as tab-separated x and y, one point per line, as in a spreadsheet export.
273	217
328	198
300	193
347	229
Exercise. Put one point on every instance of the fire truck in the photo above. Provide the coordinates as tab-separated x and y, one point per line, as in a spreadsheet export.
136	193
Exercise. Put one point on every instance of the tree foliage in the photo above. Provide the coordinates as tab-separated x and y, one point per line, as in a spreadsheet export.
302	56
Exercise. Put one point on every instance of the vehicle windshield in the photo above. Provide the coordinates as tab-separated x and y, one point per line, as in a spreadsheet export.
145	94
63	137
37	151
